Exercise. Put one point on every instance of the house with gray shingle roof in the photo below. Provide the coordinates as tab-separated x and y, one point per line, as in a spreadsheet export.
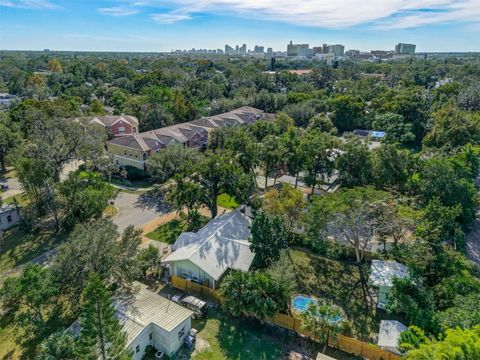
135	149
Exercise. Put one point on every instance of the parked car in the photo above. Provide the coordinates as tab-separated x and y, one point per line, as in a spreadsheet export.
3	187
198	306
159	355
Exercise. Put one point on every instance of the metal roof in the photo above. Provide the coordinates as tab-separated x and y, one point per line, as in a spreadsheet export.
219	245
383	272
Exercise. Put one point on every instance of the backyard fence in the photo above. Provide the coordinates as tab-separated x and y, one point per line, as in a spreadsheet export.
342	342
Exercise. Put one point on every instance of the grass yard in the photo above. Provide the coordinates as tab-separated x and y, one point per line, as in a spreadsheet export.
21	247
21	200
226	201
168	232
342	283
224	338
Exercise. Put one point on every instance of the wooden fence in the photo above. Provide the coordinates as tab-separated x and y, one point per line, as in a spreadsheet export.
344	343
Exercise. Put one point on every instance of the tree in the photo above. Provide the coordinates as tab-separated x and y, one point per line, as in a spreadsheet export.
457	344
269	237
347	112
288	203
318	150
391	168
323	320
54	65
387	224
396	128
95	247
468	99
411	339
217	173
271	156
323	123
174	159
291	141
451	129
9	139
283	122
101	336
30	299
348	216
58	346
464	314
355	164
251	294
416	302
149	261
282	274
85	196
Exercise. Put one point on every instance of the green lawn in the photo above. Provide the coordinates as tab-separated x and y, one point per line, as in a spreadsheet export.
226	201
21	200
343	283
168	232
21	247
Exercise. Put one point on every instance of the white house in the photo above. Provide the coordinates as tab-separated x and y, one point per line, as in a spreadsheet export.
382	273
389	335
151	319
9	216
220	245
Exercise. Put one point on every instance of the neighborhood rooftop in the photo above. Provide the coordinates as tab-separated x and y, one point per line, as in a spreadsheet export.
383	272
185	131
147	308
219	245
389	333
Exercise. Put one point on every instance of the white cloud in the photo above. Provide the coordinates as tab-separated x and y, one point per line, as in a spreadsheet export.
118	11
327	13
171	17
28	4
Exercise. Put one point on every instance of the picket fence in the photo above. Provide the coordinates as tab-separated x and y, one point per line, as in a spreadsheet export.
342	342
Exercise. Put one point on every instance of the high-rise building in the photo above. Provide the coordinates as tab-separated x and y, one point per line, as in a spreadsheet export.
336	50
236	49
405	49
298	49
352	53
258	49
243	49
229	49
269	50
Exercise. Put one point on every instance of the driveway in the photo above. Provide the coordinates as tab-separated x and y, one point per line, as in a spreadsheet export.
137	209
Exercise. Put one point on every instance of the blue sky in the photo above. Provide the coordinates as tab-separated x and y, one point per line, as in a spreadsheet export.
163	25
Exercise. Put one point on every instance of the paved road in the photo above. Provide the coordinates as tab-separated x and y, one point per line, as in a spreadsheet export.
473	237
137	209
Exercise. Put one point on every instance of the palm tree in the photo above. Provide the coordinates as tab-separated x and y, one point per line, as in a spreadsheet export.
323	320
58	346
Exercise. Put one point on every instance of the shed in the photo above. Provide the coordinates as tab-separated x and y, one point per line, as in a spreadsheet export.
389	335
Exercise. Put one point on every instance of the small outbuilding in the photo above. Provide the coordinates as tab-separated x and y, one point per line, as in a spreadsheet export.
389	335
382	273
9	216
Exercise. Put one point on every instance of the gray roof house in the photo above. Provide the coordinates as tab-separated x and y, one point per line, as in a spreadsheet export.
389	335
206	255
150	319
382	273
9	216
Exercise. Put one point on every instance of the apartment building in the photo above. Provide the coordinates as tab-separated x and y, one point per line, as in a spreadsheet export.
135	149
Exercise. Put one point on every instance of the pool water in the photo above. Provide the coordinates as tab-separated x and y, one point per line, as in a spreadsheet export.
300	303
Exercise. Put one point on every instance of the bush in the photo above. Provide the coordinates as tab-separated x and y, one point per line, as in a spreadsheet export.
134	173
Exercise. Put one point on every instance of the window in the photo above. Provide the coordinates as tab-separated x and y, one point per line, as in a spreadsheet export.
134	130
144	156
137	348
150	337
124	152
9	218
181	332
121	130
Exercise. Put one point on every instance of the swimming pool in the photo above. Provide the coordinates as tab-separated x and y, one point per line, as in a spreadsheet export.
300	304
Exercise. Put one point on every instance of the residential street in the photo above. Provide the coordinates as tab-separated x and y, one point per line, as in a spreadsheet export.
137	209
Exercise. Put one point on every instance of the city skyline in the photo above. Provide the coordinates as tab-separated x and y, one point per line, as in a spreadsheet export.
155	26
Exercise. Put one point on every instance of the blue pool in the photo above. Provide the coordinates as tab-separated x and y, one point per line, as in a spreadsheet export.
300	303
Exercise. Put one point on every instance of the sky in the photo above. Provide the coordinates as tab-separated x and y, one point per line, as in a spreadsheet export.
163	25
